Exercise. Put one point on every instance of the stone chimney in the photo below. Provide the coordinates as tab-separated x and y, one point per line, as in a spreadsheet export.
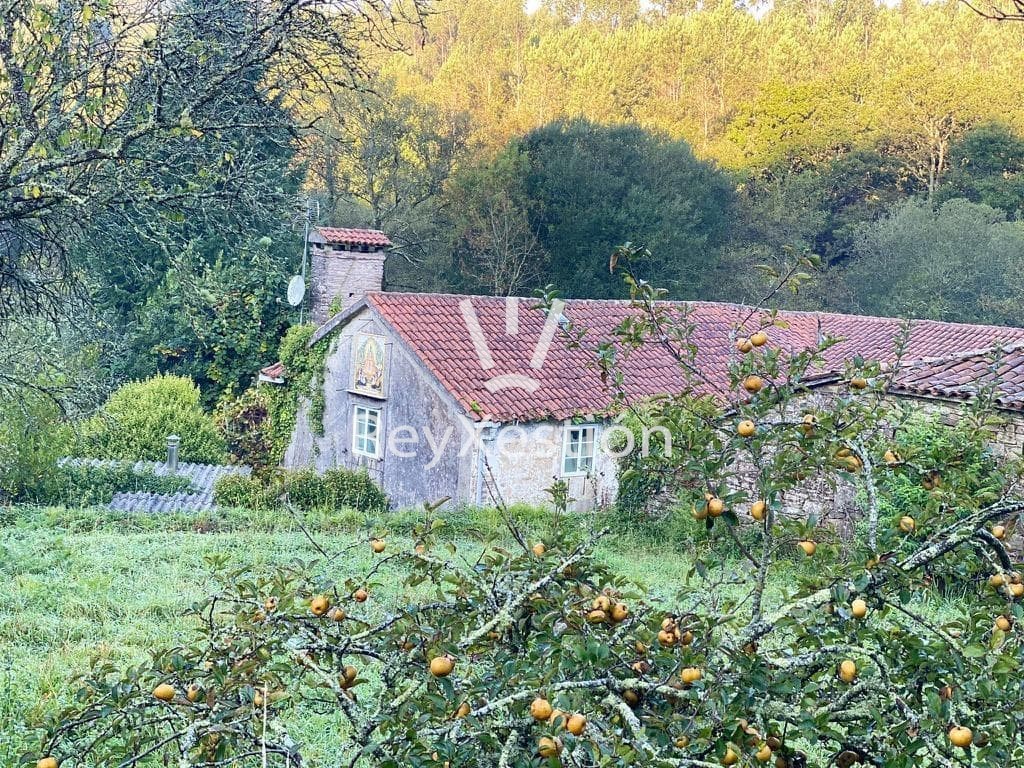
344	264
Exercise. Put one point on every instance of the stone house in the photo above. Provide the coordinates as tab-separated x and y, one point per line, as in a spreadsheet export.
474	397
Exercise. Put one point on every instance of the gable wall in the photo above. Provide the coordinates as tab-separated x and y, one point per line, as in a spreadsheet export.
412	400
435	451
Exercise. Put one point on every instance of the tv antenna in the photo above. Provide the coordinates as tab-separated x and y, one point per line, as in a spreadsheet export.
297	285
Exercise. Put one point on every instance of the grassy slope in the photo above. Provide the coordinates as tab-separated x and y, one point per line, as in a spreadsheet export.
79	584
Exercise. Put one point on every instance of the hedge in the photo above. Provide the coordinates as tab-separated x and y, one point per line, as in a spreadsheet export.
306	489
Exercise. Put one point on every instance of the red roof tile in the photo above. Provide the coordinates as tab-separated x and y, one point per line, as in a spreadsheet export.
342	236
275	372
506	376
999	372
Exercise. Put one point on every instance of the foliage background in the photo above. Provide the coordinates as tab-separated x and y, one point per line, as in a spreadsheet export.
505	150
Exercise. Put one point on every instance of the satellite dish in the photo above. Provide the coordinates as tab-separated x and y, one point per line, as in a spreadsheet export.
296	290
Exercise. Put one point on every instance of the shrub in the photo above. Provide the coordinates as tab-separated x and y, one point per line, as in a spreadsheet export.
243	422
32	439
307	489
336	488
355	489
241	491
136	420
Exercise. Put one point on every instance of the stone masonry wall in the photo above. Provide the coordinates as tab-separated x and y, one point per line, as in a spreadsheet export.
336	273
1007	440
837	506
412	402
526	458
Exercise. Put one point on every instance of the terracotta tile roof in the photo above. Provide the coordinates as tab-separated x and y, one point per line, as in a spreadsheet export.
505	375
998	372
342	236
274	372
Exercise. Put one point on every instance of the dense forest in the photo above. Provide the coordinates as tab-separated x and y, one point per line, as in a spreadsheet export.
505	148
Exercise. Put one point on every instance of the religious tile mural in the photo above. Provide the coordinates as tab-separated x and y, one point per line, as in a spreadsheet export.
369	376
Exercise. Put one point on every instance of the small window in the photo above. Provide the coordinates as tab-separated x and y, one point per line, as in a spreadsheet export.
578	450
366	431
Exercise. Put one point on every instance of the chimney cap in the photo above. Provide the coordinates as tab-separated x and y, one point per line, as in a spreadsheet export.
345	236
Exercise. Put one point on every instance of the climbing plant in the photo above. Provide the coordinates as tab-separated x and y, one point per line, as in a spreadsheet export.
304	365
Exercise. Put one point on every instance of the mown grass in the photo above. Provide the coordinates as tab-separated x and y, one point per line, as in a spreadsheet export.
77	585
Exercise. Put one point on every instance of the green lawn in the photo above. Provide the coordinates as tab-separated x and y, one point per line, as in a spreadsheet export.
80	584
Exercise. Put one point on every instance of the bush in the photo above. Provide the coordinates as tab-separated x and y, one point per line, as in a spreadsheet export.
305	488
32	439
136	420
346	488
243	422
334	489
241	491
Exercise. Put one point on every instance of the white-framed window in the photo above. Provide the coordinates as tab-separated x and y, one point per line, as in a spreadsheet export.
579	444
366	431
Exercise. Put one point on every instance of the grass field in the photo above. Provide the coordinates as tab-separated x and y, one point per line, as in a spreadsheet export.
82	584
79	584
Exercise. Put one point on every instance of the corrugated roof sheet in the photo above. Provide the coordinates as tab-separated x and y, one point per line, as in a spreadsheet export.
198	498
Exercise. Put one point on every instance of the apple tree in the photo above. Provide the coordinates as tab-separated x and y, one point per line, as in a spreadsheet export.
795	650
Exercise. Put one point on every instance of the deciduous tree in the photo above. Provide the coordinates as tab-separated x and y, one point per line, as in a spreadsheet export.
590	183
532	653
959	261
93	93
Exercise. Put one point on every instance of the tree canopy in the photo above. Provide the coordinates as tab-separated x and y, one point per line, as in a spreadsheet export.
958	262
803	123
157	159
552	206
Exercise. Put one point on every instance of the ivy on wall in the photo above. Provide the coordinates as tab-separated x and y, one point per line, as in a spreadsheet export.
305	368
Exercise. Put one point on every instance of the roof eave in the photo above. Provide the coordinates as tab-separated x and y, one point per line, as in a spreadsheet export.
998	403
